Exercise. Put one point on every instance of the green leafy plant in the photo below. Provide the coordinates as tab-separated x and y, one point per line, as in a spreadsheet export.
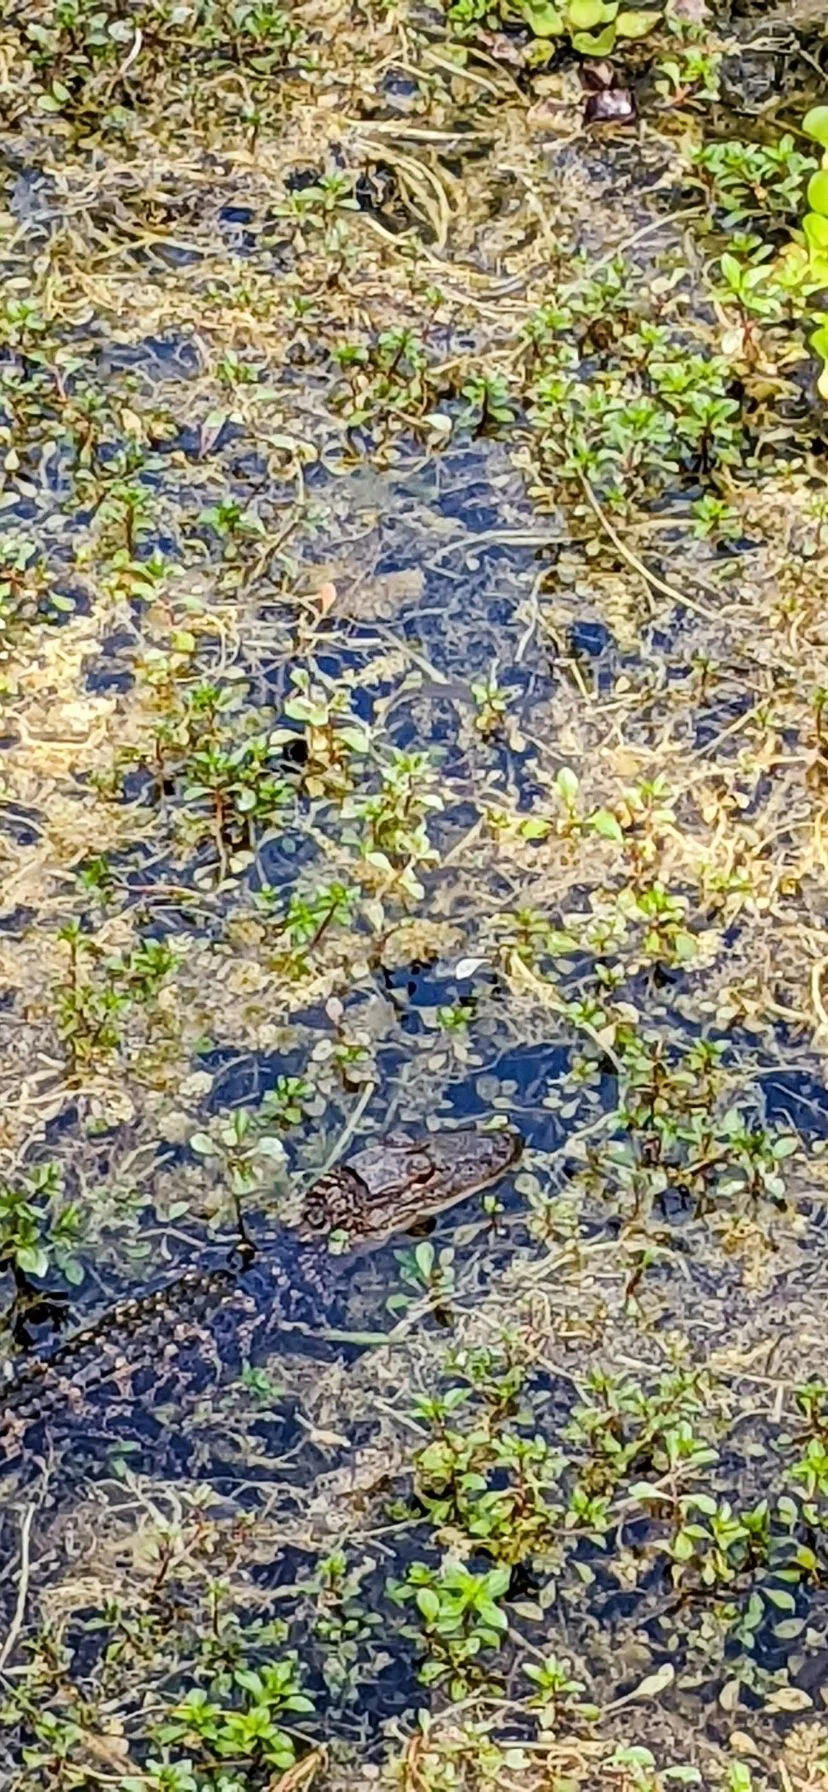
600	821
677	1133
225	775
593	27
690	73
459	1617
333	740
486	1469
392	831
752	296
746	180
298	928
245	1147
488	405
427	1271
557	1696
812	270
388	385
344	1626
100	988
26	592
39	1228
491	703
250	1732
627	405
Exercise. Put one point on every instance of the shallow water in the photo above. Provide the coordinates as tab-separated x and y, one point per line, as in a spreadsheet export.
422	748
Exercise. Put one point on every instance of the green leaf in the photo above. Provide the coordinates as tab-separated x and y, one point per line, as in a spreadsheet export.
559	945
435	1460
299	709
606	825
202	1144
818	192
788	1628
497	1581
755	1613
32	1259
635	23
424	1258
584	15
409	883
268	1146
250	1681
783	1600
428	1604
566	784
732	271
703	1503
598	43
816	230
355	738
491	1614
542	18
815	124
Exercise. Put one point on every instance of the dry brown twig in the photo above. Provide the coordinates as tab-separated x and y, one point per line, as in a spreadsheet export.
19	1614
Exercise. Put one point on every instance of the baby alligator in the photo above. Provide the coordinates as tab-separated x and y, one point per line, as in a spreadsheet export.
388	1187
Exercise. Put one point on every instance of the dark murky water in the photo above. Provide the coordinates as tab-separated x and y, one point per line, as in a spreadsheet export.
440	762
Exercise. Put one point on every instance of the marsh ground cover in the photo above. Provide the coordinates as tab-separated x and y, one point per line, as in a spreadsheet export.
413	573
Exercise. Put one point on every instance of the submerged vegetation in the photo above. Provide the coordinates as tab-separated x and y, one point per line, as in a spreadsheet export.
413	578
